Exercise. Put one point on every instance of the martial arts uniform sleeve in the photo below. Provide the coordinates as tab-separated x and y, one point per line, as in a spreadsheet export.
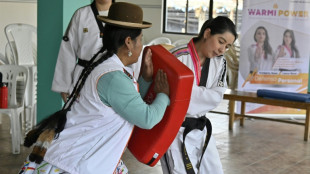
67	58
205	99
115	89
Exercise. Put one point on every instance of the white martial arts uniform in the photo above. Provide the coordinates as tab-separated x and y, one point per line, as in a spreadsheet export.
82	40
261	63
203	99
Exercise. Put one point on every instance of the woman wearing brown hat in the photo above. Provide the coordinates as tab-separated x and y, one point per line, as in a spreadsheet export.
100	122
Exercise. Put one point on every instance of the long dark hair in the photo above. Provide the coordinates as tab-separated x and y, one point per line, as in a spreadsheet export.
267	48
218	25
113	39
294	48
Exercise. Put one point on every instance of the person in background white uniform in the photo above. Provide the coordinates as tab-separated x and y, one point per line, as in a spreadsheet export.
82	39
91	134
260	53
193	151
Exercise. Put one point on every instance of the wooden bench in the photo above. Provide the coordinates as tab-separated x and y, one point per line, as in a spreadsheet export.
251	97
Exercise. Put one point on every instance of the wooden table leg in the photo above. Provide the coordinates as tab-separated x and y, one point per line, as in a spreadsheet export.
307	123
242	113
231	114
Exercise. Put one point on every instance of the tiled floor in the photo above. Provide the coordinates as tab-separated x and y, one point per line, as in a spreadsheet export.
260	147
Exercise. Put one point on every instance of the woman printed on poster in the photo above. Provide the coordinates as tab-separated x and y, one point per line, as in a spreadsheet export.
288	48
260	53
285	52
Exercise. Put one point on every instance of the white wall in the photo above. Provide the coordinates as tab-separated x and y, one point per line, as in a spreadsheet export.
25	11
152	12
16	12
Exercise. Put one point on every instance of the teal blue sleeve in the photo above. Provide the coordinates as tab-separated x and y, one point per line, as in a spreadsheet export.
116	89
143	86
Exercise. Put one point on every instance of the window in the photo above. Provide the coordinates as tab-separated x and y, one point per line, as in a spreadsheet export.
187	16
229	8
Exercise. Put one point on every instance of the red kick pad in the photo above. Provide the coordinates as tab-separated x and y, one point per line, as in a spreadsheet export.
148	146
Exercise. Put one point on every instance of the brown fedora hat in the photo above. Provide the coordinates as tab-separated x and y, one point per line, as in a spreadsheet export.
125	15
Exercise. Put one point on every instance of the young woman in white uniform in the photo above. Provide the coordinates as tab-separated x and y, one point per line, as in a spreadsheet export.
101	116
204	56
83	38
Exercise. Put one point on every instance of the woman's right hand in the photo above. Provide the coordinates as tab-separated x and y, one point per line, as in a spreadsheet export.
161	83
64	96
281	52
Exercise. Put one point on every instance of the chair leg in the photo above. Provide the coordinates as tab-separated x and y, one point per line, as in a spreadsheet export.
34	117
23	129
28	119
16	132
22	122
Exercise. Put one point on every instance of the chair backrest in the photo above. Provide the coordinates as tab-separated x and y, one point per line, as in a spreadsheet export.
25	38
9	55
3	60
180	42
16	76
232	59
160	40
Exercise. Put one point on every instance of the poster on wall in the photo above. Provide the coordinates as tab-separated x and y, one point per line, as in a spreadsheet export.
274	49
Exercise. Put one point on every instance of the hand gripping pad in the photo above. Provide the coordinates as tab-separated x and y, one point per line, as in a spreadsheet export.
148	146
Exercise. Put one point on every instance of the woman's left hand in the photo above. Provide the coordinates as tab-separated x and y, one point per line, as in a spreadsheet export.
147	69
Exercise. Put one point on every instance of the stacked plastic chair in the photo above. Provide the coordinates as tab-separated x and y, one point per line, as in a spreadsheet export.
160	40
22	43
180	42
232	57
15	76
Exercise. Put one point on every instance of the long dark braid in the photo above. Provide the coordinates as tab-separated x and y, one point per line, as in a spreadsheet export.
112	42
50	128
86	71
58	120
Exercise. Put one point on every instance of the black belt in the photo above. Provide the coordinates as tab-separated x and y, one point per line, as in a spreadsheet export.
83	63
191	124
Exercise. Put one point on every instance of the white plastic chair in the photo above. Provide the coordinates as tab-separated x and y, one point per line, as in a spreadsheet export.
9	54
3	60
180	42
160	40
232	58
31	99
16	77
22	40
25	38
